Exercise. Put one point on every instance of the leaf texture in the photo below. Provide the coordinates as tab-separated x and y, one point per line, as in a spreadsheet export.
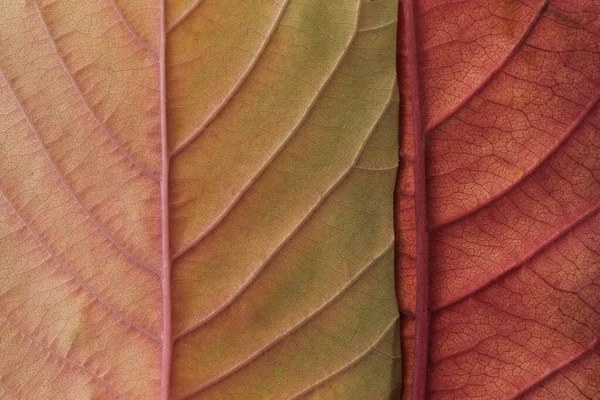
196	199
505	96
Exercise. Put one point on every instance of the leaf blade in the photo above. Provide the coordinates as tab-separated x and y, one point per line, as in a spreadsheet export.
104	189
510	182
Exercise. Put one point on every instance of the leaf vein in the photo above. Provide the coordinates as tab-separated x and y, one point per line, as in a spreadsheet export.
294	231
283	145
136	36
495	71
556	370
530	256
71	78
64	360
235	89
284	335
558	145
75	278
73	195
350	365
184	16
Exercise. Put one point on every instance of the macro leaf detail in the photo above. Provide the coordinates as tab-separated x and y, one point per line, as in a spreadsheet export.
197	199
507	105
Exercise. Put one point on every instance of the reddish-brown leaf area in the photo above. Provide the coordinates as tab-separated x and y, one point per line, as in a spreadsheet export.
508	110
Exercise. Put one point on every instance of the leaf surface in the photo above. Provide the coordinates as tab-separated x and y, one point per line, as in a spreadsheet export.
500	188
196	199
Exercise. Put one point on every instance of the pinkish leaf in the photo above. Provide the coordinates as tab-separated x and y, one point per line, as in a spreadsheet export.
497	203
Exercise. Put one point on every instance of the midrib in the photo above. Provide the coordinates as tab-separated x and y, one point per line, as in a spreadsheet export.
421	345
167	338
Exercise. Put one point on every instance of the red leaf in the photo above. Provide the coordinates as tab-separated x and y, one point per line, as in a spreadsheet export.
503	197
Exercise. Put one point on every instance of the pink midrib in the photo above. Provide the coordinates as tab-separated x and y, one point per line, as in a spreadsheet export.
167	338
421	345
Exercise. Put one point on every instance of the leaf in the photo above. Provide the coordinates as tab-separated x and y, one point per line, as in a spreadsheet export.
196	199
503	196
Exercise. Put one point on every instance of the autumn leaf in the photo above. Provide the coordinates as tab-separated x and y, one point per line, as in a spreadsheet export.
196	199
497	203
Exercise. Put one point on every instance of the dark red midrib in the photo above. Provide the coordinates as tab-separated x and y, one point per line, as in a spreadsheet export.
421	346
